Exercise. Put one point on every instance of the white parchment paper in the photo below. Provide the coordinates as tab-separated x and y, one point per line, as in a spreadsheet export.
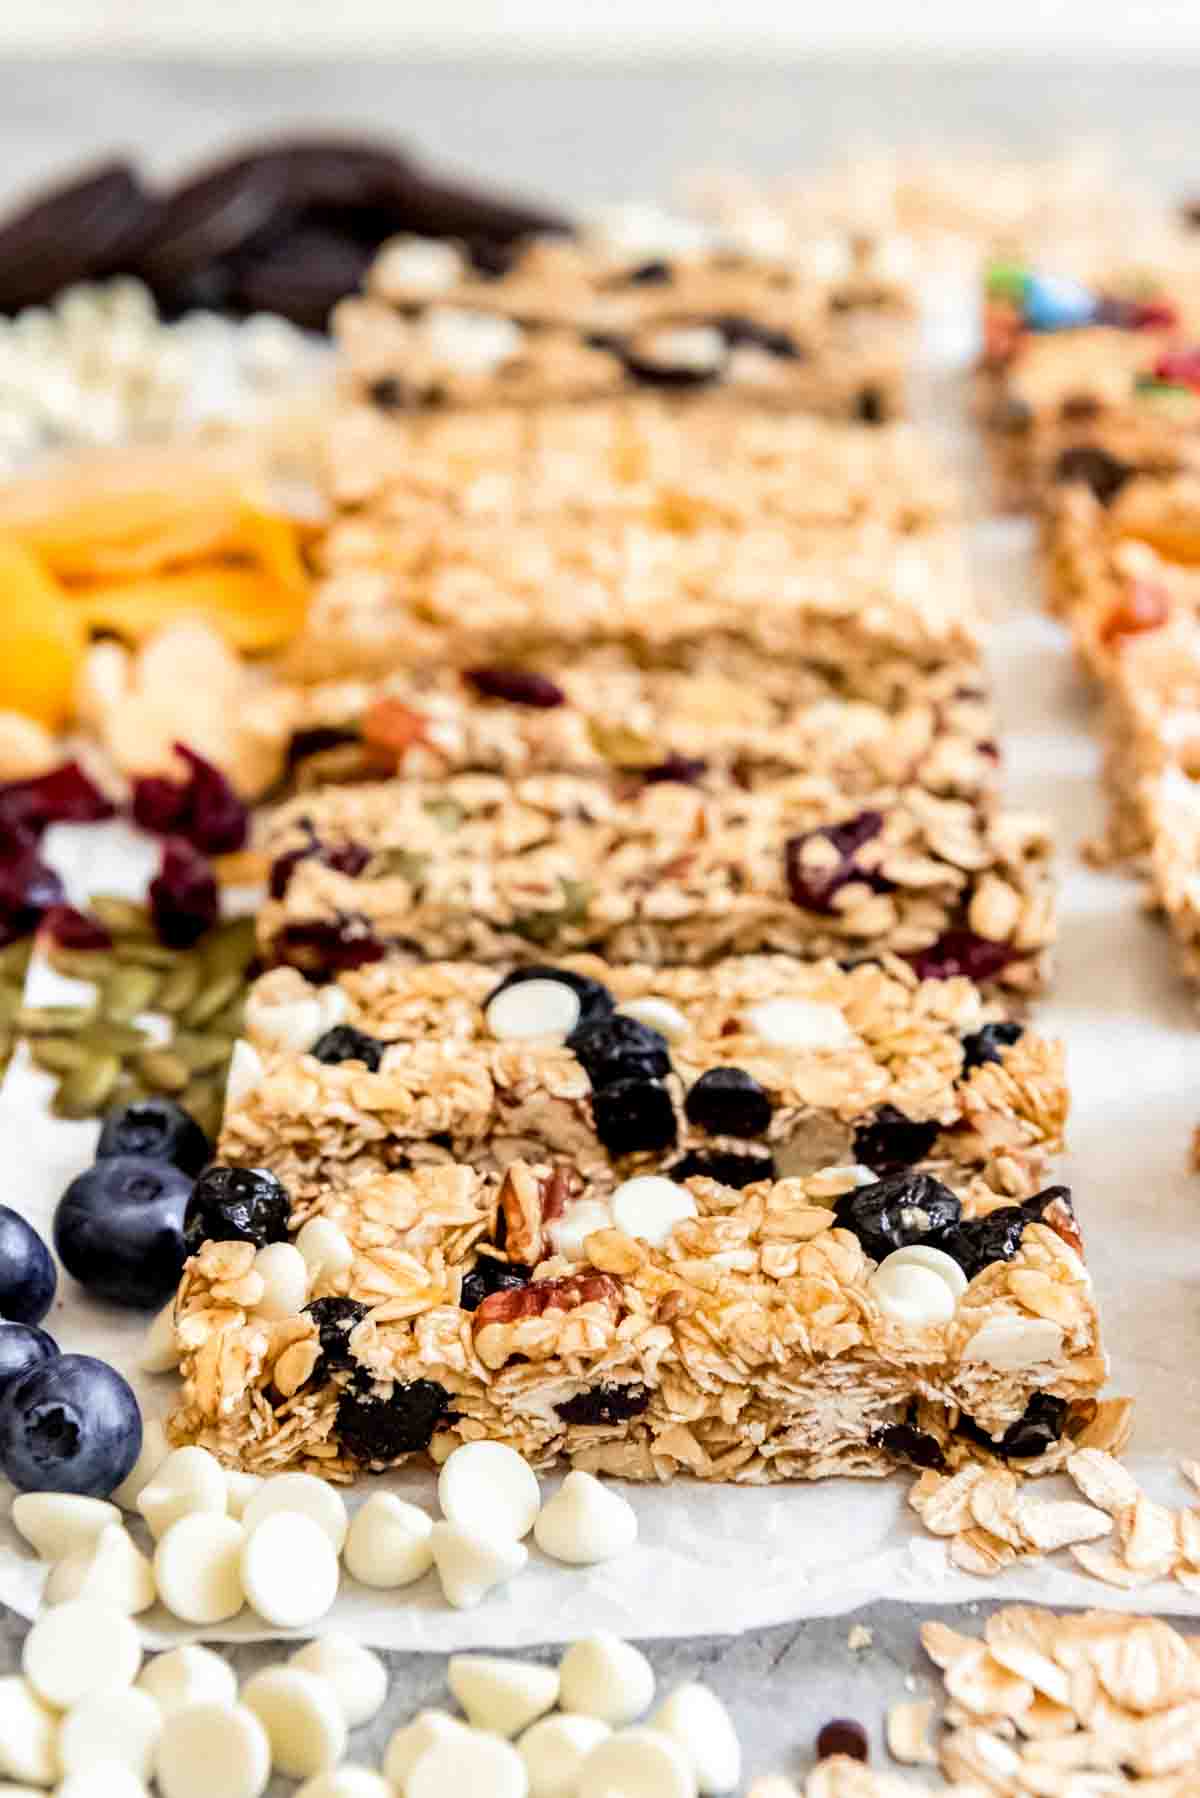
712	1558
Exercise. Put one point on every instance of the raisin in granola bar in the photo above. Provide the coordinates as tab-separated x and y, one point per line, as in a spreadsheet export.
662	871
751	1339
745	1070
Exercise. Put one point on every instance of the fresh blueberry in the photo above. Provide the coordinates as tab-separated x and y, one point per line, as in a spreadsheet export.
892	1141
375	1429
595	1000
986	1044
69	1425
620	1048
634	1114
237	1204
118	1229
22	1346
345	1043
728	1102
28	1278
896	1212
159	1129
488	1276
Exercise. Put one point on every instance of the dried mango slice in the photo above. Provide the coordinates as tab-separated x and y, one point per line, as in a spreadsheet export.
252	611
42	638
273	542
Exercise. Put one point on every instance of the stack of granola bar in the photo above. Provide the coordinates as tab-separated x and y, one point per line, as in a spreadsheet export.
641	1057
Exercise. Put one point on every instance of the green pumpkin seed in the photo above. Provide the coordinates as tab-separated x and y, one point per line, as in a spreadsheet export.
448	814
206	1103
213	998
47	1020
14	957
145	952
230	948
123	917
83	964
202	1053
59	1054
114	1038
10	1003
228	1021
87	1090
405	864
180	986
164	1071
127	992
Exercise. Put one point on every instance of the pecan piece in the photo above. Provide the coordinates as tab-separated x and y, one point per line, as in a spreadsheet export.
550	1295
529	1200
390	724
1059	1216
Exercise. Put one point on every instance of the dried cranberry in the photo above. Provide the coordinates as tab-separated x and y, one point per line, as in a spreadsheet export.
488	1276
684	769
519	686
28	890
335	1318
1038	1429
183	896
1088	465
328	948
595	1000
985	1044
344	1043
64	796
71	929
843	1736
907	1443
1180	367
895	1212
344	858
726	1169
728	1102
620	1048
961	952
604	1404
203	808
634	1114
377	1429
814	883
891	1140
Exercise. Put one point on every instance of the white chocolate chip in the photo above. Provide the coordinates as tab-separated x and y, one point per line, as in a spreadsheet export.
637	1763
412	1740
1013	1341
934	1261
335	1007
245	1072
284	1273
912	1295
294	1024
649	1206
473	342
346	1781
154	1452
419	266
80	1648
471	1562
469	1765
289	1570
357	1676
799	1024
190	1479
602	1676
111	1726
160	1351
326	1249
388	1542
704	1730
486	1485
28	1733
568	1233
555	1749
57	1524
302	1716
537	1007
186	1676
694	349
240	1488
585	1522
102	1779
113	1570
303	1493
659	1014
209	1748
500	1695
197	1568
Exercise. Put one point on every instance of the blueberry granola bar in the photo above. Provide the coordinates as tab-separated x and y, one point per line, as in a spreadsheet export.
665	871
788	1330
745	1070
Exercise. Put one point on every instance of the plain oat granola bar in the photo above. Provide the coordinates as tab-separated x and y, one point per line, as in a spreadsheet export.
663	871
744	1070
753	1339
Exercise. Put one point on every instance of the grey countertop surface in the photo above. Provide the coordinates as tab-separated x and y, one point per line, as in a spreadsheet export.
588	134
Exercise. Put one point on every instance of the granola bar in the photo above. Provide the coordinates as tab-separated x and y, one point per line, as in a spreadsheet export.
581	319
867	608
660	871
745	1070
751	1341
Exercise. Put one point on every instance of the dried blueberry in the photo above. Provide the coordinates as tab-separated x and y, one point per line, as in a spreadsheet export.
634	1114
519	686
727	1169
237	1204
892	1141
907	1443
813	882
985	1044
962	952
871	407
604	1404
595	1000
899	1210
1095	468
184	902
323	949
389	394
747	332
377	1430
488	1276
685	770
976	1242
1038	1429
648	274
335	1318
620	1048
345	1043
728	1102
